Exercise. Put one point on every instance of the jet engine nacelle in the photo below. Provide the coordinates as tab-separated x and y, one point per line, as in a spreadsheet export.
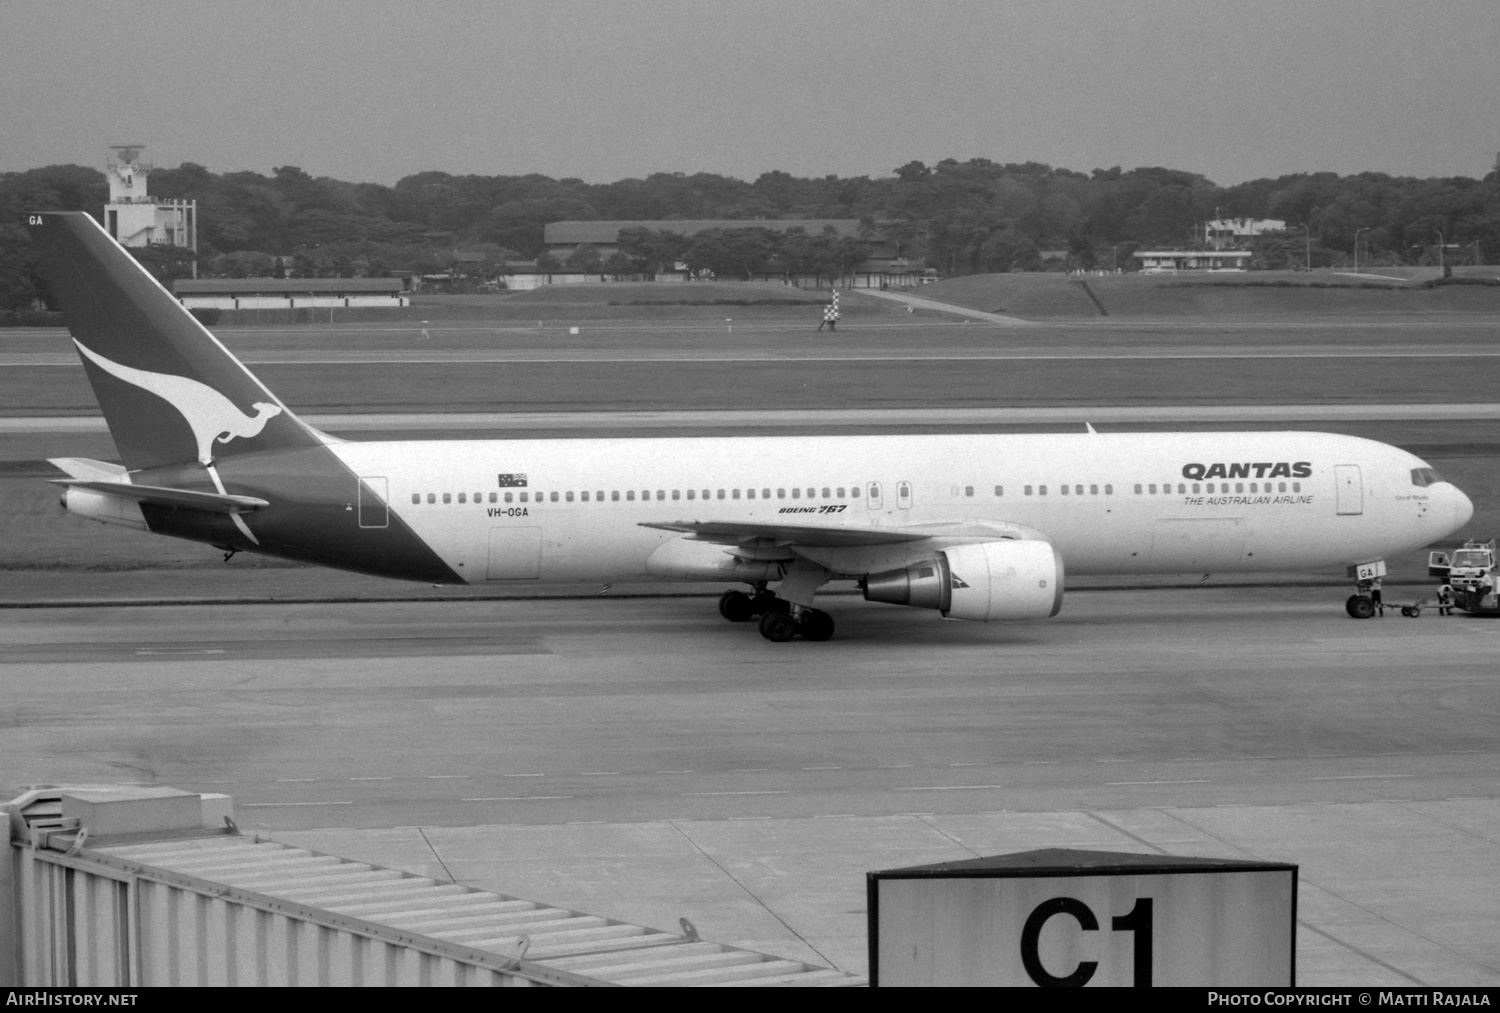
102	507
980	582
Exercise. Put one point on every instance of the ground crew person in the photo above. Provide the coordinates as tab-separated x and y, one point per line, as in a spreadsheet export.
1445	600
1375	595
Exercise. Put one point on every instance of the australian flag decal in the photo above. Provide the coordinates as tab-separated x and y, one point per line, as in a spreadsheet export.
512	481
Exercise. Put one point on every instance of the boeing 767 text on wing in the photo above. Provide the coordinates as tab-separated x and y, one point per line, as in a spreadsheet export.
975	527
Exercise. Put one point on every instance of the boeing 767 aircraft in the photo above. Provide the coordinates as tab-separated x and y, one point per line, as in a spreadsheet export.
974	527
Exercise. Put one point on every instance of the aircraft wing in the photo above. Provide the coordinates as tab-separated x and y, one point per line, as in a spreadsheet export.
831	535
834	535
211	502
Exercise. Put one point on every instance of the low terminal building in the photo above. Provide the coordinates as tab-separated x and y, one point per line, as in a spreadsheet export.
1171	261
291	293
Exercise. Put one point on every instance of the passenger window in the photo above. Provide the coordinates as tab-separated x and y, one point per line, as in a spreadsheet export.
968	490
749	493
447	497
599	495
781	494
796	494
494	496
1281	487
1041	490
765	494
1152	487
721	494
734	494
553	497
614	497
1109	490
432	497
569	497
999	490
825	492
1093	490
1028	490
416	497
463	497
584	495
1296	487
811	493
692	494
1181	487
1196	487
841	492
1239	487
677	494
661	494
630	494
1065	490
1138	488
507	497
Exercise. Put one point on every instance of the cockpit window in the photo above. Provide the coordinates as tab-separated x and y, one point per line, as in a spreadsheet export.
1424	477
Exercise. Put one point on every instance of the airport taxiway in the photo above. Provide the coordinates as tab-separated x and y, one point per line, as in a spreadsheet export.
642	757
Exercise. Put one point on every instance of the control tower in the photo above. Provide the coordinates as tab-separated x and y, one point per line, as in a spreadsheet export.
134	217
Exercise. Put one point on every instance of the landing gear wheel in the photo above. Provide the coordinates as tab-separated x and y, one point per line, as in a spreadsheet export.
736	606
1359	607
816	625
778	627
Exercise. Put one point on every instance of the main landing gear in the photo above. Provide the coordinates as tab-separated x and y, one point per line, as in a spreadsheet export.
780	620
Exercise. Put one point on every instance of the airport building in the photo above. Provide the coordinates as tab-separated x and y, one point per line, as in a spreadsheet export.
135	218
1170	261
291	293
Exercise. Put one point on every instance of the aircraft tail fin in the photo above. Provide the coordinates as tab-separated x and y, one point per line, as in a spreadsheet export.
170	392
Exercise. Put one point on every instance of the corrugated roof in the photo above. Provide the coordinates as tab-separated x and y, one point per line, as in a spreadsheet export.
541	941
283	286
609	232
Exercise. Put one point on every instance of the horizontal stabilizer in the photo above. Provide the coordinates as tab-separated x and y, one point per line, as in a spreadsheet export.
739	532
210	502
83	468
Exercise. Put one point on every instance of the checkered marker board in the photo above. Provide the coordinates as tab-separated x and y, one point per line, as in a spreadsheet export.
832	312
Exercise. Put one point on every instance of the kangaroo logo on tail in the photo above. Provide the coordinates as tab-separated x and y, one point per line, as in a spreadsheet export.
211	415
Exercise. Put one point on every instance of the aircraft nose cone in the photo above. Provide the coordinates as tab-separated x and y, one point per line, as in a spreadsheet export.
1463	509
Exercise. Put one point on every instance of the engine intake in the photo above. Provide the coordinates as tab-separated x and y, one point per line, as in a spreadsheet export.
980	582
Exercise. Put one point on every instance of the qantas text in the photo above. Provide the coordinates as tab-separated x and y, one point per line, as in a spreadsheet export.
1260	469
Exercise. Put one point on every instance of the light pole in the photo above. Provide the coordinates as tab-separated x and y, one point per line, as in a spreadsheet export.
1309	246
1356	244
1440	252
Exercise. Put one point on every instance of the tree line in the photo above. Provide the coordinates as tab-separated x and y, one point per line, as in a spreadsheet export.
959	217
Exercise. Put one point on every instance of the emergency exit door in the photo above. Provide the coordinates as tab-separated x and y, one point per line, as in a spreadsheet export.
1350	490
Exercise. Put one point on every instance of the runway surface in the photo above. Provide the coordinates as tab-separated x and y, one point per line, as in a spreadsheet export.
644	755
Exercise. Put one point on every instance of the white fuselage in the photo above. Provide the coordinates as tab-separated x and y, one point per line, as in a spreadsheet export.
1109	503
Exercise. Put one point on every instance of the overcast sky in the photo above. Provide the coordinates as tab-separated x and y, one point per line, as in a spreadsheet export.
375	90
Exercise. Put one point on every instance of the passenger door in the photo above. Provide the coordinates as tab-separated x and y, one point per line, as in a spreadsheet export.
1350	491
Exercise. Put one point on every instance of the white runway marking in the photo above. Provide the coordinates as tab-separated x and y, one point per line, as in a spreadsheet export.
1116	784
267	805
689	793
467	357
953	787
516	798
1357	777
